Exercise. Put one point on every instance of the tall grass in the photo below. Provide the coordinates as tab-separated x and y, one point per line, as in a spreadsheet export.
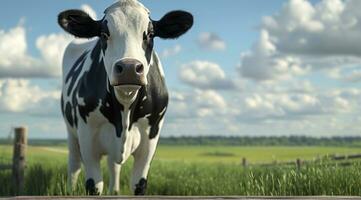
182	178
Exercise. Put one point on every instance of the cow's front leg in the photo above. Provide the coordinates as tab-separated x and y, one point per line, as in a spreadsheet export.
93	177
142	160
74	161
114	175
91	159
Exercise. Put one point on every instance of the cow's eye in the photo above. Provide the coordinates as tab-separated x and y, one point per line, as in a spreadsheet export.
148	36
104	36
151	34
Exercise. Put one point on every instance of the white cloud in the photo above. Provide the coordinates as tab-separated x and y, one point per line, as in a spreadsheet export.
52	48
205	75
8	41
210	99
15	60
346	74
327	28
13	53
172	51
88	9
196	104
286	106
264	111
273	106
211	41
209	103
355	76
292	86
264	63
324	35
20	96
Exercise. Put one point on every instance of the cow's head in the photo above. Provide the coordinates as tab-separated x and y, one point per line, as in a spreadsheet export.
126	34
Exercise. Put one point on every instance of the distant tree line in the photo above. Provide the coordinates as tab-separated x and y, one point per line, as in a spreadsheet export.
37	142
263	141
230	141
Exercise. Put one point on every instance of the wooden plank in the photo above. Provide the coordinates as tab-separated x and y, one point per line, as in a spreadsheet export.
354	156
185	197
345	157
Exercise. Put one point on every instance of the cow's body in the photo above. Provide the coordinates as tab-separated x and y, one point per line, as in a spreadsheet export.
114	96
98	122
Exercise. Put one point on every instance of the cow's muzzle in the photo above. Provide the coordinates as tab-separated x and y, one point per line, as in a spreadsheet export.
128	72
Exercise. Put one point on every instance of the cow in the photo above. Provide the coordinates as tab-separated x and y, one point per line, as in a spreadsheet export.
114	95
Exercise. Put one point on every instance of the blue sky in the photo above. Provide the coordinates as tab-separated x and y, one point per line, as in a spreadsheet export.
280	67
40	19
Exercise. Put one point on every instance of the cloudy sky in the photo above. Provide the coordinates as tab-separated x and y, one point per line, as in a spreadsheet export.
280	67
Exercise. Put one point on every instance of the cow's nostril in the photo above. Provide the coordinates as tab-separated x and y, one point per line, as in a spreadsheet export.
139	69
119	69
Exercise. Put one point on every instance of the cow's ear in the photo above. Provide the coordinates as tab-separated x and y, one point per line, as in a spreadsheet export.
173	24
79	24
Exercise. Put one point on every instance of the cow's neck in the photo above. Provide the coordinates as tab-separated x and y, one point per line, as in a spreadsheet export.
127	113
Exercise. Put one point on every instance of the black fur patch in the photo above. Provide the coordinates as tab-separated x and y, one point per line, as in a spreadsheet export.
79	23
104	35
148	42
141	187
90	187
69	110
62	105
92	89
173	24
156	101
66	107
69	114
74	72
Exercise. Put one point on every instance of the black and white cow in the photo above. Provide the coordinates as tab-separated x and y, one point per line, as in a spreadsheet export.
114	95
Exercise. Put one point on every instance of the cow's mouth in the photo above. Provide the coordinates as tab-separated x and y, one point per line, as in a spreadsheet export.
127	92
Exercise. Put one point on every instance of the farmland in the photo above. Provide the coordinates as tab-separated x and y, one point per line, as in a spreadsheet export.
212	154
203	170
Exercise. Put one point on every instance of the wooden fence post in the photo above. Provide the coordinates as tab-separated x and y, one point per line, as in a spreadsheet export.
244	162
20	142
298	163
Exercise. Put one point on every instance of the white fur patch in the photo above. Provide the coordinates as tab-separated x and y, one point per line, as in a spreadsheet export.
163	111
158	63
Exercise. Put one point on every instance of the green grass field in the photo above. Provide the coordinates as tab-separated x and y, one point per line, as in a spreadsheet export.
203	170
231	154
218	154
